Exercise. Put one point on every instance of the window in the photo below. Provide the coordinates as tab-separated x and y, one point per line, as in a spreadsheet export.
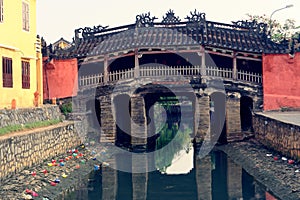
1	10
25	13
7	72
25	75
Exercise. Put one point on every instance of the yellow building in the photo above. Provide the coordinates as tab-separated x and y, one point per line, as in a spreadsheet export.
20	55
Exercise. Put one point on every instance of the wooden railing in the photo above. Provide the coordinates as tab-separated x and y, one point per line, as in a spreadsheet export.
162	71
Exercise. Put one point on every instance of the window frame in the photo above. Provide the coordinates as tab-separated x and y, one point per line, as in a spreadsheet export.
25	16
1	11
7	72
25	64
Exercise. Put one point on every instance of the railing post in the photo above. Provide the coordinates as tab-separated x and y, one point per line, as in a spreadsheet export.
136	64
105	77
234	70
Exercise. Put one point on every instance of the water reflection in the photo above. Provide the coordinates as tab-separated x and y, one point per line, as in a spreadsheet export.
215	177
174	152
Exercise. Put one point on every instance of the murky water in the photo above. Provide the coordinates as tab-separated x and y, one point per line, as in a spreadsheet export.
214	177
179	174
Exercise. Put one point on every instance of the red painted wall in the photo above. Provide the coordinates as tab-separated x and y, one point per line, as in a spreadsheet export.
60	78
281	81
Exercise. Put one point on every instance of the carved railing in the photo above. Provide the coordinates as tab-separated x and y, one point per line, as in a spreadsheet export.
249	77
163	71
38	45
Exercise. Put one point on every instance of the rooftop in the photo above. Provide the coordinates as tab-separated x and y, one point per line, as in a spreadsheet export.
172	33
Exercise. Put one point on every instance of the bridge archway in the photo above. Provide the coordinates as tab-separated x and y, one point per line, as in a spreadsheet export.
218	117
246	107
122	118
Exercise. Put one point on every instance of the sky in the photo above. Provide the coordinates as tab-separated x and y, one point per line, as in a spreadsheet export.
59	18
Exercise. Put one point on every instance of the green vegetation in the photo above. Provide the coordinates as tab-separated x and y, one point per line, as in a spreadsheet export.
66	108
22	127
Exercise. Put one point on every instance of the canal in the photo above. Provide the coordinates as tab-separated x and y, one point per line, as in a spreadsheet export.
214	177
174	170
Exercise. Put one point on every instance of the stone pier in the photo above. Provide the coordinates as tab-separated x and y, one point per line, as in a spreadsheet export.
203	178
233	118
139	123
203	116
108	124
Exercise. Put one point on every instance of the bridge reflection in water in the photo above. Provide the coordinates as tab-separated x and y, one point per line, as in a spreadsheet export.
214	177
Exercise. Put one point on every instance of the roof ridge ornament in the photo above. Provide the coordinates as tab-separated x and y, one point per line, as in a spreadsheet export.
260	28
144	20
89	32
170	18
196	17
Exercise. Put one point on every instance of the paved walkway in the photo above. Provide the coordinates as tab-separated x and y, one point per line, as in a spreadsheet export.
291	117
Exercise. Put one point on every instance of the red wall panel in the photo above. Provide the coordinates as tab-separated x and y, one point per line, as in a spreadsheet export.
60	78
281	81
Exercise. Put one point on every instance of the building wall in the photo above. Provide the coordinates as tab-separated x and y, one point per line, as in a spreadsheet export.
60	78
19	45
281	81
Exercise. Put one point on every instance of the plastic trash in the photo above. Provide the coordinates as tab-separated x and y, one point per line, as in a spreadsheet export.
45	171
284	158
33	173
57	181
96	167
53	183
34	194
291	161
64	175
276	158
62	164
268	154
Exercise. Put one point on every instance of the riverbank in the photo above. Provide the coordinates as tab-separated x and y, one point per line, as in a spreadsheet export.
53	179
280	177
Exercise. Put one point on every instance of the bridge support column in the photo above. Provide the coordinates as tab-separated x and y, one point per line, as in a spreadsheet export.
202	114
139	180
108	124
234	180
233	118
203	178
139	124
109	182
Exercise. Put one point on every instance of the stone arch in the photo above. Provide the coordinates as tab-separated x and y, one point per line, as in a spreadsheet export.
218	117
246	108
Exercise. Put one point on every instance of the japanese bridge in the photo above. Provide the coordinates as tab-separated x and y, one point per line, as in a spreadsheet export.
215	67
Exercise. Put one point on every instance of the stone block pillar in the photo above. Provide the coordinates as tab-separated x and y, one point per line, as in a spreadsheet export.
109	183
139	123
234	180
233	118
139	180
203	116
203	178
108	124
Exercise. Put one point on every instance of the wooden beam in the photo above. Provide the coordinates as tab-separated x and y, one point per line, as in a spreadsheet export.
105	77
234	64
203	65
136	64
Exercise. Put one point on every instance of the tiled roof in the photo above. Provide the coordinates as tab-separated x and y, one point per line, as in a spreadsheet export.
171	33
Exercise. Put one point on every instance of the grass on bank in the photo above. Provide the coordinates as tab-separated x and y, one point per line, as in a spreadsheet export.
27	126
